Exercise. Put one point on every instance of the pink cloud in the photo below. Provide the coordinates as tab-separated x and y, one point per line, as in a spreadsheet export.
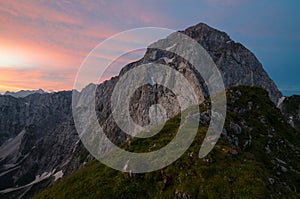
37	10
56	36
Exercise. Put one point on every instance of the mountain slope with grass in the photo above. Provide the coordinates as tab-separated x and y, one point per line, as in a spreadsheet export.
257	156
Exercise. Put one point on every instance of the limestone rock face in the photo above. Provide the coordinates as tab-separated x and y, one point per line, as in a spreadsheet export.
237	64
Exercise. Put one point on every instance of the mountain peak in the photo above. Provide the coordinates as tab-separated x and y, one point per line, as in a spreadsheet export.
200	26
237	64
202	31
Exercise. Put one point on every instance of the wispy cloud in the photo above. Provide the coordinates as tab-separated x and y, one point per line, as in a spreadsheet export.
53	37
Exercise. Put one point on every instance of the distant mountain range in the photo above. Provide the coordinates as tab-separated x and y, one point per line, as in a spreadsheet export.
39	143
24	93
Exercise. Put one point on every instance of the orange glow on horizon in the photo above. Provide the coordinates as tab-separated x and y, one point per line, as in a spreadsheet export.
43	44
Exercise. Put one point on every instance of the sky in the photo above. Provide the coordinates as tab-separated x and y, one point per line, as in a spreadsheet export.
43	43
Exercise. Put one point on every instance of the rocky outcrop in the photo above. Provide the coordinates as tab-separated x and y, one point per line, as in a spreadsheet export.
290	107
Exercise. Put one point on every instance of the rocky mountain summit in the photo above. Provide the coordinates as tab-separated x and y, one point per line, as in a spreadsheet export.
38	139
238	66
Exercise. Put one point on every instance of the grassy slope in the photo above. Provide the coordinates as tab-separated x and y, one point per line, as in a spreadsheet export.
219	175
